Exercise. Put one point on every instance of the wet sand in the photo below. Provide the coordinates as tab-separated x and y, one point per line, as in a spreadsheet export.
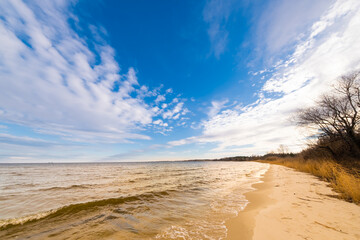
294	205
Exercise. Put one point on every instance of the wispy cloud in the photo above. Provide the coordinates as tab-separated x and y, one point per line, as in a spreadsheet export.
284	22
329	49
216	107
216	14
175	112
20	148
160	98
24	141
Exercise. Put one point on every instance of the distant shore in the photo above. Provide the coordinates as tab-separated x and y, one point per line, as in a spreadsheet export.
293	205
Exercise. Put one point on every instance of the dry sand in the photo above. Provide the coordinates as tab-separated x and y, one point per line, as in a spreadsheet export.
294	205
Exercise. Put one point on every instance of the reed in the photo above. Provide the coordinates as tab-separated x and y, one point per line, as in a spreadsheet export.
341	179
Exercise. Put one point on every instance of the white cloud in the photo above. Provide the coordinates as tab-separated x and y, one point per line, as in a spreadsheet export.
330	49
24	140
160	98
53	82
284	22
216	106
162	127
170	113
160	123
176	116
175	100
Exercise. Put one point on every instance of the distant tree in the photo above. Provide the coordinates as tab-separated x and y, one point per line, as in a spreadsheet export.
283	149
336	114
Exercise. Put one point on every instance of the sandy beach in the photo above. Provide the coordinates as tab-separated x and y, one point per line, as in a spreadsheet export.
294	205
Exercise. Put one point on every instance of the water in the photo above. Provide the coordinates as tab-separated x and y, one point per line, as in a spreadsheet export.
162	200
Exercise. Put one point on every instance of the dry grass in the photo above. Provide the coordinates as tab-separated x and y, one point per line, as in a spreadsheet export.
344	182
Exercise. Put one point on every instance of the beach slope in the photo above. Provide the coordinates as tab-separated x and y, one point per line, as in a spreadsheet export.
294	205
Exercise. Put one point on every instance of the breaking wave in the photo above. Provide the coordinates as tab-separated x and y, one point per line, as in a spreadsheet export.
78	207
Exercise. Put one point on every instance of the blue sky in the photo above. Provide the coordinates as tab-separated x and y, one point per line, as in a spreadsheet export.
165	80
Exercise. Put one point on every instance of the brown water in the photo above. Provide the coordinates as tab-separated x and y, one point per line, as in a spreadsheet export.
159	200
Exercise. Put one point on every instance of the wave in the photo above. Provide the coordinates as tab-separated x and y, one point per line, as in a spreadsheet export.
76	186
17	185
78	207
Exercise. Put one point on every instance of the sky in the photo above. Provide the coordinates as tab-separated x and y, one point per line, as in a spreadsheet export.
109	80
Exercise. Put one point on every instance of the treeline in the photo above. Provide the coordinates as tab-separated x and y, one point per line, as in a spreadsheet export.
336	119
334	153
256	157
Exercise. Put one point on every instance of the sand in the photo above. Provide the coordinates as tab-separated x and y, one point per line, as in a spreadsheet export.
294	205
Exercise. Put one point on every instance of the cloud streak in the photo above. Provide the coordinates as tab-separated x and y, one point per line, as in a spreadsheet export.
216	14
285	22
24	141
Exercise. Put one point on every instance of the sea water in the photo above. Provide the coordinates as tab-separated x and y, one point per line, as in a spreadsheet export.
157	200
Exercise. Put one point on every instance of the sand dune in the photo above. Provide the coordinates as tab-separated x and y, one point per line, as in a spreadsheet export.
294	205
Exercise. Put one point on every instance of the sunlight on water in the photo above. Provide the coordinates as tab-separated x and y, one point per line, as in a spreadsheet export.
163	200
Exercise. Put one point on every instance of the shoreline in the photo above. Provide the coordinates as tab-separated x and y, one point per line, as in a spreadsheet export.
294	205
242	226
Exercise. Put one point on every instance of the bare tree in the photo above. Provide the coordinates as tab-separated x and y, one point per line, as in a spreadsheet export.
336	114
283	149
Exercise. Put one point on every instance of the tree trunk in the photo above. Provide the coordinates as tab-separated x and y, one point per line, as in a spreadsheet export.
354	143
333	154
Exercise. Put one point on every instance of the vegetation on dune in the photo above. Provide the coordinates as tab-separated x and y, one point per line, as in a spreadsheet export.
336	119
335	154
343	180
